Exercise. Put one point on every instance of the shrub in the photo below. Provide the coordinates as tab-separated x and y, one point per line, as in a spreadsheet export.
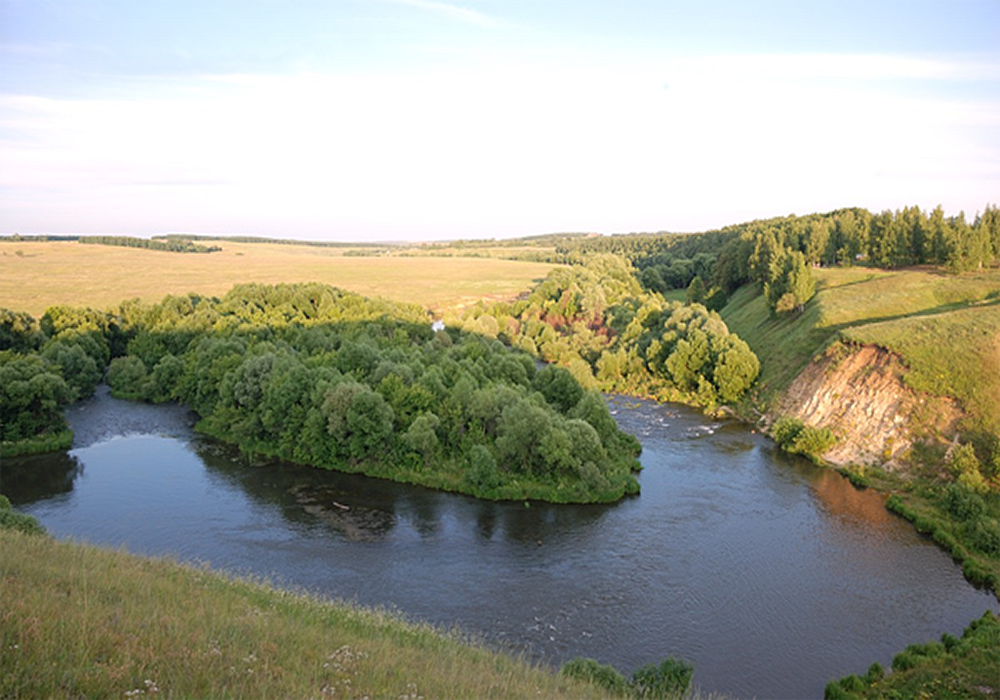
794	436
984	535
601	675
481	469
670	679
904	661
835	691
875	673
10	519
127	377
963	502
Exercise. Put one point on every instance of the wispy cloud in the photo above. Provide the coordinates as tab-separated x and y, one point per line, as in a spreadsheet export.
455	12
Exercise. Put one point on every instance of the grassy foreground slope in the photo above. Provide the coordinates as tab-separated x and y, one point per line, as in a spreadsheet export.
37	275
79	621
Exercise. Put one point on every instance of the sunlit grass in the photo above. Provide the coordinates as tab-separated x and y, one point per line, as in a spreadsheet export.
955	353
945	327
37	275
79	621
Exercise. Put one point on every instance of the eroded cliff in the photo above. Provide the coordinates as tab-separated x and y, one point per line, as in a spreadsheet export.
858	391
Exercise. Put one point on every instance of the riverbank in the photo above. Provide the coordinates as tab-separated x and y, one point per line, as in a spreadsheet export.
80	621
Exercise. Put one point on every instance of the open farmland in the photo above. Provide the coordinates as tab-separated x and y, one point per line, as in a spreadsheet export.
37	275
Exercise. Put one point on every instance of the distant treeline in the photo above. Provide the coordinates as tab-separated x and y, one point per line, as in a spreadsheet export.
173	245
26	238
318	376
888	240
778	253
275	241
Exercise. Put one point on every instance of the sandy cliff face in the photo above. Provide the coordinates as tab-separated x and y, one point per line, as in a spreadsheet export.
861	396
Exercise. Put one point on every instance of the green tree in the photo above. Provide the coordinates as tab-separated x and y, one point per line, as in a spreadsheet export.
32	397
127	378
422	437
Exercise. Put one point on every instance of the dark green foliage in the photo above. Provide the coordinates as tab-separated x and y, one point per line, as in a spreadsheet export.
10	519
601	675
983	533
127	377
481	470
171	245
794	436
876	672
32	397
964	503
80	369
558	387
668	680
594	321
835	691
318	376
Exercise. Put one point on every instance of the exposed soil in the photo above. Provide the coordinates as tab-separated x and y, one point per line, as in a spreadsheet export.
861	396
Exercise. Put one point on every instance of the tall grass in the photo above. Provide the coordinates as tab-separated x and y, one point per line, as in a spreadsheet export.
78	621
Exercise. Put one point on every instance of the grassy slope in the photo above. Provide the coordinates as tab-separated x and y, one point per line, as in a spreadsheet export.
917	313
50	273
79	621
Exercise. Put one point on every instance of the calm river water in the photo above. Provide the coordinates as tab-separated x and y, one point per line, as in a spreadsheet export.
771	576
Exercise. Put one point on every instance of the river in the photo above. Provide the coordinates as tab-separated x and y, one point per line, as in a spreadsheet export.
770	575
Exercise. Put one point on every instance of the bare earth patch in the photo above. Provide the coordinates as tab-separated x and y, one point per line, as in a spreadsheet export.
862	398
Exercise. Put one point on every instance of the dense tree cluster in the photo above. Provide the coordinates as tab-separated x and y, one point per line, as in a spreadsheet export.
171	245
46	366
317	376
596	321
778	253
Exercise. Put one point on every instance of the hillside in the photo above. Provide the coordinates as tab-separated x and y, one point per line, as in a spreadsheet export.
86	622
943	333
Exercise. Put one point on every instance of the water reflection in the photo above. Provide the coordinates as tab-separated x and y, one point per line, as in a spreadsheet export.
29	479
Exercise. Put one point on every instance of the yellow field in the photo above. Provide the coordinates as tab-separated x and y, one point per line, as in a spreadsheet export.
37	275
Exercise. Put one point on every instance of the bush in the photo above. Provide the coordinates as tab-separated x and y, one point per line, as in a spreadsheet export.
875	673
794	436
127	377
670	679
963	502
904	661
835	691
481	469
10	519
984	535
601	675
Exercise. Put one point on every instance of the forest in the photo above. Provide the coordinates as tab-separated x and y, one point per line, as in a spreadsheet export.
778	253
313	375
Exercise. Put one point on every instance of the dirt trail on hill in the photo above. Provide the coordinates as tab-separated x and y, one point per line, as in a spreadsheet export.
862	398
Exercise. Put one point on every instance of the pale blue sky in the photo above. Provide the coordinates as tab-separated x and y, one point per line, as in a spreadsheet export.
420	119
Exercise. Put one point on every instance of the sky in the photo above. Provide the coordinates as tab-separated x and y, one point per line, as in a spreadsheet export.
396	120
